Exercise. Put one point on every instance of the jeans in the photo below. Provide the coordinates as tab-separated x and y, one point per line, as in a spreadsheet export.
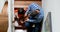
29	27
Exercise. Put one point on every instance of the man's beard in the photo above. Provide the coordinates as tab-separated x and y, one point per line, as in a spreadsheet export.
33	14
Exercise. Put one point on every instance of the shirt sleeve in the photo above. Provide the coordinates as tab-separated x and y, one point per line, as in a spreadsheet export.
40	18
32	20
41	15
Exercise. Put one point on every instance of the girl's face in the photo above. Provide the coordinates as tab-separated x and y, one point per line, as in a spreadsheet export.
25	8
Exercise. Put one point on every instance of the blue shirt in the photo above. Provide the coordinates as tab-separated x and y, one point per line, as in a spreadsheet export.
33	7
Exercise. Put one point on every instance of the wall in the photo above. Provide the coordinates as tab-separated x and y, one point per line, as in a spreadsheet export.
25	3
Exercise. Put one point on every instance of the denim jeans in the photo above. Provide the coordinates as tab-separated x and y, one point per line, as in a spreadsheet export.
29	27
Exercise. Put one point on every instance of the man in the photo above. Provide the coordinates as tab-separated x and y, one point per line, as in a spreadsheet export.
34	17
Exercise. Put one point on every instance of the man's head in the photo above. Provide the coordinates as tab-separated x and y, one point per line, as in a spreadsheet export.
37	11
34	13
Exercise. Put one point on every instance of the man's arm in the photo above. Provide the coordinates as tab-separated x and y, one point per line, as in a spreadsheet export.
27	11
38	19
41	15
31	20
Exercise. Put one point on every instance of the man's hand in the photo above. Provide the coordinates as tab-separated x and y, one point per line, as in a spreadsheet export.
25	15
21	21
27	20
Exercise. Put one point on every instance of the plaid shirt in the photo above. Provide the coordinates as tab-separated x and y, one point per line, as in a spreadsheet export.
33	7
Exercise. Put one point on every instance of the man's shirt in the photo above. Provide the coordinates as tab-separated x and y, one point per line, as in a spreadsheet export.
33	7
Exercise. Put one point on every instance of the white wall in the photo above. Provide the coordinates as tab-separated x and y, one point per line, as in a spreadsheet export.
56	16
10	15
52	6
2	2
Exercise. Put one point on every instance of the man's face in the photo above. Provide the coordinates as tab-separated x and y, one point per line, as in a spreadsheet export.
37	11
34	13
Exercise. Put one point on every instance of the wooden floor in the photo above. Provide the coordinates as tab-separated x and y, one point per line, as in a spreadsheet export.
3	23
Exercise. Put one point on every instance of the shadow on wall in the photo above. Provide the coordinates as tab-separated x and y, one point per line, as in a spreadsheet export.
48	25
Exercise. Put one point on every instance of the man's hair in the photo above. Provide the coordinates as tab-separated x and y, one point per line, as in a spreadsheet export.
34	13
38	9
